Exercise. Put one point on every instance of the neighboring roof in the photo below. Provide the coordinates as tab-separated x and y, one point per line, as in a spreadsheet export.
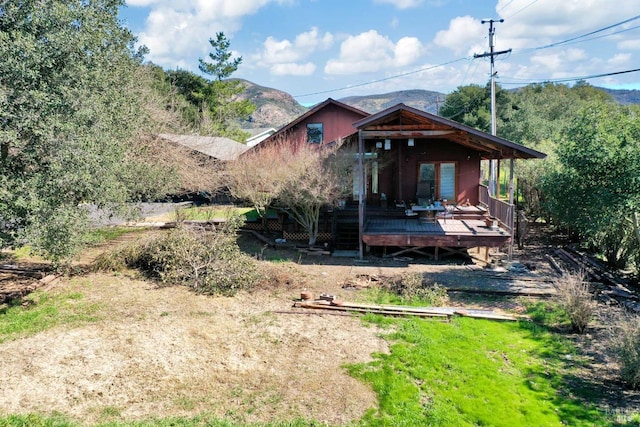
218	147
258	135
402	115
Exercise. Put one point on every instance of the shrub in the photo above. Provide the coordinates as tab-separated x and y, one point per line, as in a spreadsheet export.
208	261
575	299
625	344
411	287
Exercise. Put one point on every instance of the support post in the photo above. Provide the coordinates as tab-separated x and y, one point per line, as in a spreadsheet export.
361	194
513	204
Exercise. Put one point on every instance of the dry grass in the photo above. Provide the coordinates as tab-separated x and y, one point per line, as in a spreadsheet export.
169	352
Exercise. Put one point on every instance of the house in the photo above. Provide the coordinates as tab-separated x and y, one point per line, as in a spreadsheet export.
407	162
208	153
326	122
413	163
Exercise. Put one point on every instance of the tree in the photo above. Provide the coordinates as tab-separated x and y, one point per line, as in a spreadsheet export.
596	190
294	177
257	177
71	115
311	182
220	96
471	105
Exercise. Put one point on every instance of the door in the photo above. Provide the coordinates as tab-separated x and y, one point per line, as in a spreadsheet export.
436	180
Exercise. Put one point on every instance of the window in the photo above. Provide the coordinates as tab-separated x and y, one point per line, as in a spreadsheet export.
314	133
437	180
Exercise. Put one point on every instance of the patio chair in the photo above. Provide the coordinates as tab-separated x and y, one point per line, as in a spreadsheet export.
424	195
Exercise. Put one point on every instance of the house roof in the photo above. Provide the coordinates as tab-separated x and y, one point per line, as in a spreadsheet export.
402	121
318	107
291	125
218	147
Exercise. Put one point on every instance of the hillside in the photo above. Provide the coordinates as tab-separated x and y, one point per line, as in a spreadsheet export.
424	100
274	107
624	96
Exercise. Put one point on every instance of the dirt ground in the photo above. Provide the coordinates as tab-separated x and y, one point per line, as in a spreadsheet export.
159	352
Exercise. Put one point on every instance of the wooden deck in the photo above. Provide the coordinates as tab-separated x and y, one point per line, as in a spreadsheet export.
451	234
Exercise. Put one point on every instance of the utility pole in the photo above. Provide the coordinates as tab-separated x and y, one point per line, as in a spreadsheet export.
492	54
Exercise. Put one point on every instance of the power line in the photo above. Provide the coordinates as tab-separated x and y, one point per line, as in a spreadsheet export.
570	79
521	9
503	7
431	67
567	41
518	52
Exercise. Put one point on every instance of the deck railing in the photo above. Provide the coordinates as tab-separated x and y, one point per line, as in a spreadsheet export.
499	209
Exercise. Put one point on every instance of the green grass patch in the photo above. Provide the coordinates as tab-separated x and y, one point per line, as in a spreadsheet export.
42	311
105	234
474	372
205	213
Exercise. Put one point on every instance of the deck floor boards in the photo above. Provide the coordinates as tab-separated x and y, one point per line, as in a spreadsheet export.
440	227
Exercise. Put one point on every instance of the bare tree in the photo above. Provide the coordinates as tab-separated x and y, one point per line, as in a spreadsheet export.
312	182
292	176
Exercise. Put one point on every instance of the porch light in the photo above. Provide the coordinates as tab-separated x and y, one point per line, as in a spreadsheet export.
410	142
387	144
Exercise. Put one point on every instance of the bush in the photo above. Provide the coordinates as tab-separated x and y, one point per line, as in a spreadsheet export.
575	299
411	287
625	344
208	261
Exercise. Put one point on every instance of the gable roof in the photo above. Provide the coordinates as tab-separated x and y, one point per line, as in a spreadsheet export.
420	124
318	107
217	147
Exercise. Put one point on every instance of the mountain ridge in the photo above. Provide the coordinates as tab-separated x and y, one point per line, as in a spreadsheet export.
275	108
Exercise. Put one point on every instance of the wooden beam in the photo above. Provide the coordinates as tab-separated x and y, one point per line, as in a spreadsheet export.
405	133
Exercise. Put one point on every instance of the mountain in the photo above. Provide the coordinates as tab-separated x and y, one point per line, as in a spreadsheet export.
624	96
274	108
424	100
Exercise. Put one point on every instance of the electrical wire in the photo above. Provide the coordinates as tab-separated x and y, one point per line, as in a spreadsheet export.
431	67
574	39
520	52
570	79
521	9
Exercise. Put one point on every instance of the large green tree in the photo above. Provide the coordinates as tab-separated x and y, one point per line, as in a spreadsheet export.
471	105
70	112
596	190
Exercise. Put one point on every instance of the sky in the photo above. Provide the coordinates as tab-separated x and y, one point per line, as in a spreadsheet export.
319	49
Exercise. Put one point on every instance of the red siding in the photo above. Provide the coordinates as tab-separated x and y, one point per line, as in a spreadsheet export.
337	123
398	176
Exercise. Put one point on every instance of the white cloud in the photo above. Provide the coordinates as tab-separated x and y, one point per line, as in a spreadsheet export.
284	57
402	4
546	20
573	55
370	52
406	51
462	36
629	44
293	69
180	29
620	59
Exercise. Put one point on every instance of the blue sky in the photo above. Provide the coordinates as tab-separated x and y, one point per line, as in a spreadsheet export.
315	49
